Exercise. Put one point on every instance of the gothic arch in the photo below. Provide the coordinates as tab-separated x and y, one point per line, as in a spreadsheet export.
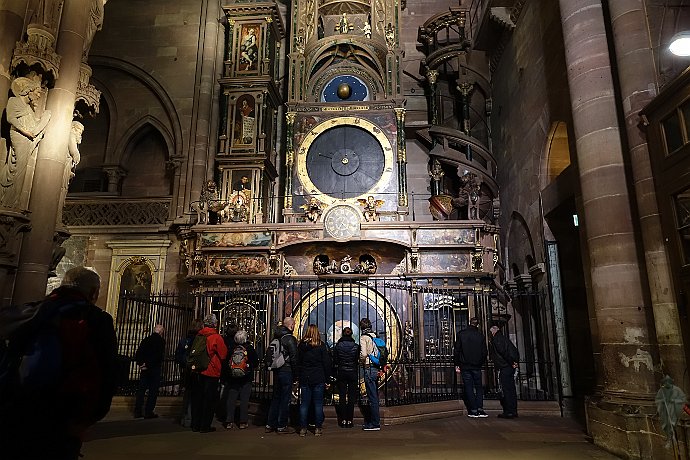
139	74
556	153
134	133
520	245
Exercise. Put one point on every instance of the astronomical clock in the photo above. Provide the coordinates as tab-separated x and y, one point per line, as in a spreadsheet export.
345	114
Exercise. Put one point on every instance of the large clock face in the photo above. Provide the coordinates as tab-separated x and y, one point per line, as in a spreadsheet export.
344	159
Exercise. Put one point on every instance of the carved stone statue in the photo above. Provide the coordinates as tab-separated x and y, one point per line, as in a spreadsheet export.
74	141
370	208
96	13
26	132
209	205
344	26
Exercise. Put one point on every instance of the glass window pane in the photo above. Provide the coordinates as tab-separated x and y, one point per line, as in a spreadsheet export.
674	138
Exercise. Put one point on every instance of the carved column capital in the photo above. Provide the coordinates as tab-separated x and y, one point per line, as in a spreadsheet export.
37	50
87	93
115	173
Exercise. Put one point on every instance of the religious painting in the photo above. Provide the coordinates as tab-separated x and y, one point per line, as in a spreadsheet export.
245	117
446	236
249	48
238	265
449	262
241	193
228	240
136	280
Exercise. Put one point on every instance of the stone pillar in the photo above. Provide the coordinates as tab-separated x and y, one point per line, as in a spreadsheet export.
11	24
35	259
624	333
202	153
115	175
637	77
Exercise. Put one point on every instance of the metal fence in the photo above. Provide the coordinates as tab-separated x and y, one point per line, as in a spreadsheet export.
419	319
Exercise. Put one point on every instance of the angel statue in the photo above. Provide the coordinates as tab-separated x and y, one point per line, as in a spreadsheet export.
312	209
370	208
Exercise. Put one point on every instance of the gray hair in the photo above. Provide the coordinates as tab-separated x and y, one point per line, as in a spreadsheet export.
83	280
210	320
241	337
494	329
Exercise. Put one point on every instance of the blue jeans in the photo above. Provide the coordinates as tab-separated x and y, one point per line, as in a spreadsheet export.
371	375
312	393
474	391
280	401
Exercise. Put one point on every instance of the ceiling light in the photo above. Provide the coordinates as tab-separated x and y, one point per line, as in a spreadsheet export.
680	44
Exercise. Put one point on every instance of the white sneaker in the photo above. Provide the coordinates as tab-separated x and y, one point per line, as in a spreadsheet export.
481	413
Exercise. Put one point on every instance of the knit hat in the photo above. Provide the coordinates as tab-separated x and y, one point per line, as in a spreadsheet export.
210	320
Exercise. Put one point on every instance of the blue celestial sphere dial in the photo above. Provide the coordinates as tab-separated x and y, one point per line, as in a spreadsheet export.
358	90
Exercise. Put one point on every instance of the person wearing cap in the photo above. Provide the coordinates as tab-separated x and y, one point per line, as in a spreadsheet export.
205	384
469	355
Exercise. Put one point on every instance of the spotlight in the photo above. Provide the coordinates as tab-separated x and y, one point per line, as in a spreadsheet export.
680	44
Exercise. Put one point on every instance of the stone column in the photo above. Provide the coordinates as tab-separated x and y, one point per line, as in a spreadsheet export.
201	155
626	340
35	259
11	24
637	76
624	334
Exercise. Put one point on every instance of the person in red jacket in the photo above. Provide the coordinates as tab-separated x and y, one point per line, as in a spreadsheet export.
205	384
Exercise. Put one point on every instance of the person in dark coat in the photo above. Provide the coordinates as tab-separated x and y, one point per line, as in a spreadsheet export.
505	357
283	379
314	365
149	358
470	355
50	423
240	385
181	354
346	363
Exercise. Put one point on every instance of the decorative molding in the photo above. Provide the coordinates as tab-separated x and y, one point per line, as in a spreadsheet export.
114	213
86	93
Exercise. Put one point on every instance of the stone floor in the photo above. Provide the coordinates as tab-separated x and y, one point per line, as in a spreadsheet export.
529	437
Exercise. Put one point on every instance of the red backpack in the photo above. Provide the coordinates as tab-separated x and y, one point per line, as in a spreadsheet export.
239	362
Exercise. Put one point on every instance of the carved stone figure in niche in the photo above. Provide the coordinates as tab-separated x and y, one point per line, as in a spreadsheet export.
96	13
26	132
366	29
470	192
370	208
390	36
344	26
249	49
312	209
209	206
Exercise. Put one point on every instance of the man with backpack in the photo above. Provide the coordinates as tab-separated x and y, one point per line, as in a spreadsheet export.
149	358
63	378
505	357
368	354
242	361
283	348
181	357
205	363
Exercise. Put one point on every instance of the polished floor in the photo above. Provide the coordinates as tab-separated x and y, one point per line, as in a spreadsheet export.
529	437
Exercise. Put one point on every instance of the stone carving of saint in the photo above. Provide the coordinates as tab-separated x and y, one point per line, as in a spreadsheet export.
26	132
74	141
96	13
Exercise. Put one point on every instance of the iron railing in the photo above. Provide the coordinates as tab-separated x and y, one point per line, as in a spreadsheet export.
418	318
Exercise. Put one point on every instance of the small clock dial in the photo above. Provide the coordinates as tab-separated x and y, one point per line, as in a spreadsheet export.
342	222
